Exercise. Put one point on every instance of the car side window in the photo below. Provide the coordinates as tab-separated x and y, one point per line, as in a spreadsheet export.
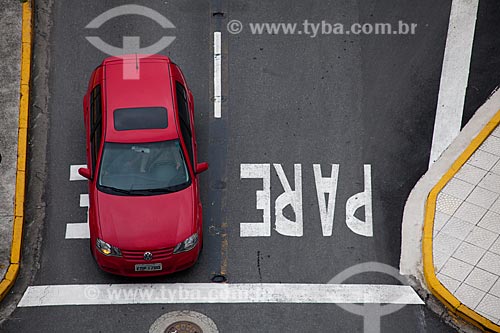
183	105
184	119
95	124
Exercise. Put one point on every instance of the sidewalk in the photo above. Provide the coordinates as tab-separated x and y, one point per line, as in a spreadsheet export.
15	52
462	231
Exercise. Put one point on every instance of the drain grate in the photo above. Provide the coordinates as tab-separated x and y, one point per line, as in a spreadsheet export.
183	327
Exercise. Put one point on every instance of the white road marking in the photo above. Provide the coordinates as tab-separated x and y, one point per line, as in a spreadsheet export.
259	229
364	228
217	74
73	172
293	198
284	225
84	200
454	75
182	293
326	185
77	230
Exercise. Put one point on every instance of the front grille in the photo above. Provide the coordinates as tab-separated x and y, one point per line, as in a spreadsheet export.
138	255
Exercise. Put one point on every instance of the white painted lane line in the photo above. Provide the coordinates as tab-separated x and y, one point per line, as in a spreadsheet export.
84	200
77	230
454	75
73	172
100	294
217	74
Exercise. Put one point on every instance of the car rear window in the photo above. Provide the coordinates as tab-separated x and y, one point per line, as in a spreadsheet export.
140	118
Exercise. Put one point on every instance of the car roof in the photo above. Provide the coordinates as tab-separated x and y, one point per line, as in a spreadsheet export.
149	85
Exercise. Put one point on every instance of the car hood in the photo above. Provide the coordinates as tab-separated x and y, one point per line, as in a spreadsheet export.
146	222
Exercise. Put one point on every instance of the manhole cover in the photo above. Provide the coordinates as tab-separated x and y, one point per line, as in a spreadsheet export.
183	322
184	327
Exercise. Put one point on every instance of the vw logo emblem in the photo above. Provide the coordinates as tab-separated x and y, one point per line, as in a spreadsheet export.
148	256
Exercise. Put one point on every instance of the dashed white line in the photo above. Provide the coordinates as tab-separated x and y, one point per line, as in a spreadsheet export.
101	294
454	75
77	230
84	200
217	74
73	172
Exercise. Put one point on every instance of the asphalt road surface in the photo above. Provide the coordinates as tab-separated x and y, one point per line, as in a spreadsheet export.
290	102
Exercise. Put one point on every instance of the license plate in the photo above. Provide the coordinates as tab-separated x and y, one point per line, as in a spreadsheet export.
148	267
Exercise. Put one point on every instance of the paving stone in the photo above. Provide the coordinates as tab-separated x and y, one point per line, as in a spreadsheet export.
490	182
490	305
471	173
458	188
469	295
490	221
489	262
495	290
439	259
449	283
446	244
439	220
469	253
491	145
447	204
456	269
495	248
469	212
481	237
482	197
483	159
457	228
496	206
481	279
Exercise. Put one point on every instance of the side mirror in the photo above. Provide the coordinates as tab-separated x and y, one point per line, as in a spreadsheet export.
201	167
85	173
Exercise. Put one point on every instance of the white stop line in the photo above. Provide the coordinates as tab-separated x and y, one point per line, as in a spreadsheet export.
106	294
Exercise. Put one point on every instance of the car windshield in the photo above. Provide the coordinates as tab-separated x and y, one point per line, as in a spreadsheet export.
143	168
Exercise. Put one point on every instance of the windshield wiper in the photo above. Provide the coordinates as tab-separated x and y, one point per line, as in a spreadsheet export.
119	190
168	189
158	190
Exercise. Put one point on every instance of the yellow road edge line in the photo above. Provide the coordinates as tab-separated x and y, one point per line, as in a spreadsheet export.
22	144
435	286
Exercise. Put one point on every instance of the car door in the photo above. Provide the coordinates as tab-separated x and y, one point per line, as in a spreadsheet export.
94	134
184	102
186	122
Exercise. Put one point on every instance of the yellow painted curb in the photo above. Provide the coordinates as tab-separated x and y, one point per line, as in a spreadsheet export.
438	290
22	137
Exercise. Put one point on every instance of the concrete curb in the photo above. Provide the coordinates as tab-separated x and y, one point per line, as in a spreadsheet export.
434	285
414	211
17	230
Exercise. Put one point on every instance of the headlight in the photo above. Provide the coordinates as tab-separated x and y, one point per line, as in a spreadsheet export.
107	249
188	244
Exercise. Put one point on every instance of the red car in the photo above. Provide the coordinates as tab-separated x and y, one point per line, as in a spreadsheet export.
145	214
